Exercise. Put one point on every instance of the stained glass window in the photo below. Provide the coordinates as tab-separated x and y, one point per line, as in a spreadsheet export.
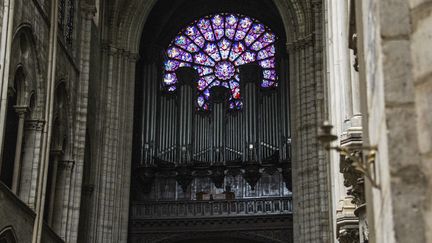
216	46
66	19
70	22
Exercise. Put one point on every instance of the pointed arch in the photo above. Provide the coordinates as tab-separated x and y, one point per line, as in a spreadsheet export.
7	235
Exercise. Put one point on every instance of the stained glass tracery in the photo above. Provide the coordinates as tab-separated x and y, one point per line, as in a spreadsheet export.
216	46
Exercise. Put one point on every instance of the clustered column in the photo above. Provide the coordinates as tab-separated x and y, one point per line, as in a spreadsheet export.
21	110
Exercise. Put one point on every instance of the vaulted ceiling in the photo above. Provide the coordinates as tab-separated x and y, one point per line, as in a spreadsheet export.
124	20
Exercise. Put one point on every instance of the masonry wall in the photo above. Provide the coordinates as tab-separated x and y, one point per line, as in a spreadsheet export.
14	213
32	18
421	56
396	73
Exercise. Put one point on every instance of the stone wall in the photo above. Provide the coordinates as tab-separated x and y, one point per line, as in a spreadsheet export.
421	56
31	19
396	70
14	213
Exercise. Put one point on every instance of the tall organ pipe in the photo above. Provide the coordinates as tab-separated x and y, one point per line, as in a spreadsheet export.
250	110
185	113
148	116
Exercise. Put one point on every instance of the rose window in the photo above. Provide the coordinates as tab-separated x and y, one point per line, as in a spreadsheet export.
216	46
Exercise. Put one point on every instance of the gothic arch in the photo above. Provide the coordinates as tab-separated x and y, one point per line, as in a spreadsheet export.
25	56
61	132
124	22
7	235
295	15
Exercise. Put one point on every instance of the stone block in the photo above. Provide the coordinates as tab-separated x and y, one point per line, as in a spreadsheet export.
421	40
394	18
424	115
401	137
398	85
417	3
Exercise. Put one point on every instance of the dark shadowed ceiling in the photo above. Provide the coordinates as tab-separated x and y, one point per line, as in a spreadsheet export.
168	17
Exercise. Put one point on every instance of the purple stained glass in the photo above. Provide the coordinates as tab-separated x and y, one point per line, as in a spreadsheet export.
200	101
254	33
218	26
224	70
224	48
171	65
203	70
215	46
266	52
170	78
270	74
268	63
212	50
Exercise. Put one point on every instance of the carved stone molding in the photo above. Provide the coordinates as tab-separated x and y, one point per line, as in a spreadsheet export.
66	164
347	223
36	125
354	181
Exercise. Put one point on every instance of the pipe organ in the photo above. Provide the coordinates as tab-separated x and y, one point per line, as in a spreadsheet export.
182	144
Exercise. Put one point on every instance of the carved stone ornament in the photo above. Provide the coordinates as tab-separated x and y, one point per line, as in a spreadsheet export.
347	223
353	179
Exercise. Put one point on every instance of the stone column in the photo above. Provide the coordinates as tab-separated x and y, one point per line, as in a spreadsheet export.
62	197
31	149
21	110
128	120
48	117
7	32
355	119
87	13
55	155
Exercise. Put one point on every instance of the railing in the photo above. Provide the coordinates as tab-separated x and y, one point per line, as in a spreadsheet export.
216	208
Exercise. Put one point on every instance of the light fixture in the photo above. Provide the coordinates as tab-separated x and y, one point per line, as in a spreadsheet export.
354	153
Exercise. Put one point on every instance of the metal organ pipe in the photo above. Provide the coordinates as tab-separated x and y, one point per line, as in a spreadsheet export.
185	113
148	116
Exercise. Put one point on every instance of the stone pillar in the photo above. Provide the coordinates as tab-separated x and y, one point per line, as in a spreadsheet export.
310	165
7	32
47	130
30	161
126	167
55	155
21	110
62	197
87	13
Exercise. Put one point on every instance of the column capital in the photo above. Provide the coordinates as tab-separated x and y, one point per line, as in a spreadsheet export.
300	43
56	151
21	110
67	164
88	189
34	125
88	10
